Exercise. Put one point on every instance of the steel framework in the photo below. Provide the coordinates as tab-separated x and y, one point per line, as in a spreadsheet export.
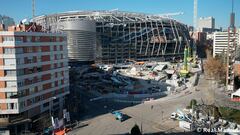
127	35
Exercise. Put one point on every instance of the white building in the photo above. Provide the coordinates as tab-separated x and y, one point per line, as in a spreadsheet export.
220	42
206	24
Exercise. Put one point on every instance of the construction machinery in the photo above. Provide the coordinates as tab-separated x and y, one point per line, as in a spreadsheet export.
184	71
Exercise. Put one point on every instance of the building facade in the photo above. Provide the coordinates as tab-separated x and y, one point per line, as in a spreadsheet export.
220	42
81	39
33	74
206	24
119	35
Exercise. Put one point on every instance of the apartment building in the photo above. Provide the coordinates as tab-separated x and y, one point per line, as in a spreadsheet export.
220	42
34	76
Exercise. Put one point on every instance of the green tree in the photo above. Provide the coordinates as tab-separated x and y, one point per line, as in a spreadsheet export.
193	103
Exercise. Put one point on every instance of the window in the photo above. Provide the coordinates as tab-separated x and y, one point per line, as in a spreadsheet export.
55	48
11	84
20	72
9	62
11	106
22	104
29	39
10	72
46	104
56	100
28	49
37	39
31	90
11	94
19	50
40	88
9	50
20	84
22	93
8	38
41	97
58	39
19	61
19	39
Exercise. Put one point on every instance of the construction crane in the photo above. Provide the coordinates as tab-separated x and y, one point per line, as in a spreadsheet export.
170	14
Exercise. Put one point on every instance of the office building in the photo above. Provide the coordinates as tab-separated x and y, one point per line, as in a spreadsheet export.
206	24
220	42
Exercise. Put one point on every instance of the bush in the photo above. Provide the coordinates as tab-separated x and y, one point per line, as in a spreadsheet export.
230	114
193	103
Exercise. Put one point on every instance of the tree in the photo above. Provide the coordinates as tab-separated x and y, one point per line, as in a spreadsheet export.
135	130
193	102
215	67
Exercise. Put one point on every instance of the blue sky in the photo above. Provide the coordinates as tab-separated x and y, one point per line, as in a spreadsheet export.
220	9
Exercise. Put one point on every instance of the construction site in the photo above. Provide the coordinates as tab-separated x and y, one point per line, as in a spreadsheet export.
130	69
143	79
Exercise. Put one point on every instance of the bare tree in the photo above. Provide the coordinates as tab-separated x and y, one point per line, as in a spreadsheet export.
215	67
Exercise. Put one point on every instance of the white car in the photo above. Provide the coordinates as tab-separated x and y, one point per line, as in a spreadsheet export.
173	115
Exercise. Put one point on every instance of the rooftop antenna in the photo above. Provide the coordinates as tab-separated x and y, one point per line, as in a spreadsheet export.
33	8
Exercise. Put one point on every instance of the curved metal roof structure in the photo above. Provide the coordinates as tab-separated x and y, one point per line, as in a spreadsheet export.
122	35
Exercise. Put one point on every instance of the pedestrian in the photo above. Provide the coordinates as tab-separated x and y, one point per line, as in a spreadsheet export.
151	106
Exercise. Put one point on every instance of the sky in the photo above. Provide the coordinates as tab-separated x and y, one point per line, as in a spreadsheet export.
219	9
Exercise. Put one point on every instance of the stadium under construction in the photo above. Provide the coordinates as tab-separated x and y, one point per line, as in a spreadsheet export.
116	36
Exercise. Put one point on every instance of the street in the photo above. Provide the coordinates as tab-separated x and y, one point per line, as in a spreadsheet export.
153	115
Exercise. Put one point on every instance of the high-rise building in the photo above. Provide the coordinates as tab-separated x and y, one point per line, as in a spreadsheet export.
33	74
206	24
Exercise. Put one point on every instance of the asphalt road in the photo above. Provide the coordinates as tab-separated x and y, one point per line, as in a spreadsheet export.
153	119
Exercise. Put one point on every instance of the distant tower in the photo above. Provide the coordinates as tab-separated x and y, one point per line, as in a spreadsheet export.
33	8
194	47
195	14
232	17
